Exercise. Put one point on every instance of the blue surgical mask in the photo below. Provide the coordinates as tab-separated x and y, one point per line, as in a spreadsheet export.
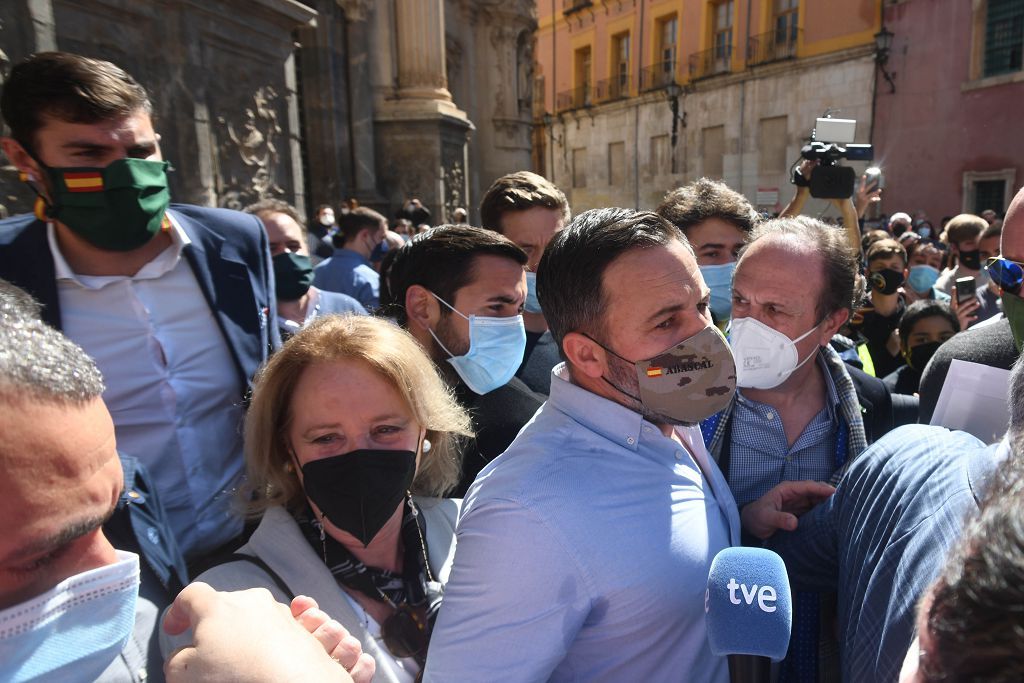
532	304
76	629
922	278
496	347
719	280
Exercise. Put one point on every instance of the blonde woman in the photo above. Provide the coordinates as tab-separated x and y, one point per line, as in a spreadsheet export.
350	444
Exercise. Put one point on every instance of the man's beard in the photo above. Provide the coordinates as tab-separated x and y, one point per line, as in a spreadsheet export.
622	377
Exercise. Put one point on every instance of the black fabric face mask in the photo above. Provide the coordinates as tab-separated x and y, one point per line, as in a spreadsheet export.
919	356
886	281
971	259
359	491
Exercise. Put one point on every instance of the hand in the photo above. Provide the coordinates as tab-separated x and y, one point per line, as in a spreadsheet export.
780	507
244	636
343	647
864	198
965	312
807	167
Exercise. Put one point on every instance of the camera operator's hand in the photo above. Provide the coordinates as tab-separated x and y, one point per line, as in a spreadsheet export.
866	198
803	192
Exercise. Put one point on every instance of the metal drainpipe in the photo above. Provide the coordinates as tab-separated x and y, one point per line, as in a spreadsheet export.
636	112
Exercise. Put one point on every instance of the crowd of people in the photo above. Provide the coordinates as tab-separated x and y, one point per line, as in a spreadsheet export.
240	447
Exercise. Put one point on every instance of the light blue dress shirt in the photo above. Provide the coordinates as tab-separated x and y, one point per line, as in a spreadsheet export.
583	553
349	273
760	454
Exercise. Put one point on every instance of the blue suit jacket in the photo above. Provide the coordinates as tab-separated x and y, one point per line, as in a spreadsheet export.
229	255
881	539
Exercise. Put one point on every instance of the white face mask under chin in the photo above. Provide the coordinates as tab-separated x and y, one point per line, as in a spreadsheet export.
765	357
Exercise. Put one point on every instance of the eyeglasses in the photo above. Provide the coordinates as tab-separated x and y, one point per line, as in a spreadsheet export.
1008	275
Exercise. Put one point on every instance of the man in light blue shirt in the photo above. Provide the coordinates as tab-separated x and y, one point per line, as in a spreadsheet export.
349	271
583	550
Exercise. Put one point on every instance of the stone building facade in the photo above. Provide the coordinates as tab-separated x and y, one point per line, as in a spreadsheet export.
640	97
315	101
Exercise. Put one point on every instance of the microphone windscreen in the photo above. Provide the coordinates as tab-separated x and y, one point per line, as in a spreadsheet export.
748	605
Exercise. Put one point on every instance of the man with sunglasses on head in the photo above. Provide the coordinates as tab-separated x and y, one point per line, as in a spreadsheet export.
997	343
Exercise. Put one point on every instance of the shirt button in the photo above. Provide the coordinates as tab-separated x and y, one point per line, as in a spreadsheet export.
630	440
647	430
770	415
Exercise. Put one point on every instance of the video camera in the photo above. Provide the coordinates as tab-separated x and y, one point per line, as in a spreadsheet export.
832	140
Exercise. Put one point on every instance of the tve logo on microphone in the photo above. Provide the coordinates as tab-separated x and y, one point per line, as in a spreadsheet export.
748	604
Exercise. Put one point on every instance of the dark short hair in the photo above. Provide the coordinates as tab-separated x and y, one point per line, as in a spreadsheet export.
518	192
70	88
268	206
351	223
704	198
843	287
925	308
993	230
441	259
871	237
974	621
880	249
571	272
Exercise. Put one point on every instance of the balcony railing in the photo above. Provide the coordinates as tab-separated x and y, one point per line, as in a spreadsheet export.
717	60
772	46
658	76
570	6
616	88
577	98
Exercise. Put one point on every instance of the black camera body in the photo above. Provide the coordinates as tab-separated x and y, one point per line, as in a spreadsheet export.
832	180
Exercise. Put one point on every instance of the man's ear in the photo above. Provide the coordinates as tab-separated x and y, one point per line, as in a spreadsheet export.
585	355
422	308
21	159
833	322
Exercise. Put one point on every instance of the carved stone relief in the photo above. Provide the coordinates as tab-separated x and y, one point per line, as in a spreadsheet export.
254	141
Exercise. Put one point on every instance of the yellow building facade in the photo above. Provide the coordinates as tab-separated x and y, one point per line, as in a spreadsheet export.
635	97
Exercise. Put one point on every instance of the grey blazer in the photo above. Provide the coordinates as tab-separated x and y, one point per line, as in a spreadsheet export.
279	542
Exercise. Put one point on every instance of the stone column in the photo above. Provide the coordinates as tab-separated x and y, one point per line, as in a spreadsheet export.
420	34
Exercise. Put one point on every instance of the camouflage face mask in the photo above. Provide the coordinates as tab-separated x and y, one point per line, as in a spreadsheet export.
688	382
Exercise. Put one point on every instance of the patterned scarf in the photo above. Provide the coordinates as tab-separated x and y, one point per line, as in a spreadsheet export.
407	588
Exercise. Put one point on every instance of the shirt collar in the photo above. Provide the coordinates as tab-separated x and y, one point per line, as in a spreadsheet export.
161	263
605	417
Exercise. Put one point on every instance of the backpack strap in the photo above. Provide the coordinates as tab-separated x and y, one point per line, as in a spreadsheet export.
252	559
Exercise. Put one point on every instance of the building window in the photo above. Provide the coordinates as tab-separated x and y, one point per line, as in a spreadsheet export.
579	167
713	151
721	35
988	190
617	164
1004	36
661	156
772	146
620	64
582	94
668	28
786	16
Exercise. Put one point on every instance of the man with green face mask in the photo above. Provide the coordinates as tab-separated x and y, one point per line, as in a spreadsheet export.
998	341
175	303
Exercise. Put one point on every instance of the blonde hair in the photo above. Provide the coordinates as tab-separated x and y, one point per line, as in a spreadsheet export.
394	355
